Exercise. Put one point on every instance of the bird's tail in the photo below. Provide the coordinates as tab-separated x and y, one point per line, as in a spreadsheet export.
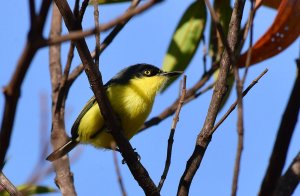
63	150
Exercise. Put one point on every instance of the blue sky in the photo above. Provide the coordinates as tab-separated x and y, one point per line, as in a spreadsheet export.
146	39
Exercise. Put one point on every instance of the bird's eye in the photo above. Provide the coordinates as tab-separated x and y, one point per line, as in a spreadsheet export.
147	72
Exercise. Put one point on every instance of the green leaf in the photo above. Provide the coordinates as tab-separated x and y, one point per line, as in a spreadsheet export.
31	189
223	10
108	1
185	39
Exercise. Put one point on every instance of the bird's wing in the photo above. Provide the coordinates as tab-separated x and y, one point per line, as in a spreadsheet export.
89	104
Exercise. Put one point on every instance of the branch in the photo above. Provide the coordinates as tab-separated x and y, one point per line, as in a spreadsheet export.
172	133
240	122
205	135
97	35
283	139
232	107
107	41
95	79
290	180
13	89
64	177
8	186
221	32
79	34
120	181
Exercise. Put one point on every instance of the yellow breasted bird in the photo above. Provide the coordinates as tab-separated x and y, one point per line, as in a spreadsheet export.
131	94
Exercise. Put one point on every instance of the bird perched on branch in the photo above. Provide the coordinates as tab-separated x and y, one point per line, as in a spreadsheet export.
131	94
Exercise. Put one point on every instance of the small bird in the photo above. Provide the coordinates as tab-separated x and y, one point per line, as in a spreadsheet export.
131	94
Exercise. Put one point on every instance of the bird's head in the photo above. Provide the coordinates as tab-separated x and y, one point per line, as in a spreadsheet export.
144	76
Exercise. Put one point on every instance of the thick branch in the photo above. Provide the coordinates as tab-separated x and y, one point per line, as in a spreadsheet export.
283	139
290	180
64	177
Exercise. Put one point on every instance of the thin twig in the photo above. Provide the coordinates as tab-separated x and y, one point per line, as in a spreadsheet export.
84	5
232	107
240	111
172	133
221	32
204	137
78	34
249	53
117	28
106	42
8	186
118	172
205	48
97	35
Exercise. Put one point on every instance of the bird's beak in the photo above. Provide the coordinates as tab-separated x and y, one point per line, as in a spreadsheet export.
171	74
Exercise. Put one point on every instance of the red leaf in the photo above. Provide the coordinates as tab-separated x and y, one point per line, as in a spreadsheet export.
283	32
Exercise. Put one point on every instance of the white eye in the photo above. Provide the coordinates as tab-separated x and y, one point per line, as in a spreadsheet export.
147	72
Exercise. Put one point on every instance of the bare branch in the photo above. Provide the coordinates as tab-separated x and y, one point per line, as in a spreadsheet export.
8	186
64	177
79	34
240	122
283	139
221	32
97	35
172	133
32	11
107	41
120	181
290	180
117	28
232	107
205	135
112	123
13	89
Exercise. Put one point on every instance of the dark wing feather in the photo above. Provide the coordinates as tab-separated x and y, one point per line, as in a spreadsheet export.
87	106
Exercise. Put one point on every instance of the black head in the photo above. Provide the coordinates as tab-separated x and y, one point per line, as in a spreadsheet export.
134	71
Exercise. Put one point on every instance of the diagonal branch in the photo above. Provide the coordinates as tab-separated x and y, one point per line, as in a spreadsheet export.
79	34
172	133
232	107
290	180
106	42
283	139
95	79
205	135
6	184
13	89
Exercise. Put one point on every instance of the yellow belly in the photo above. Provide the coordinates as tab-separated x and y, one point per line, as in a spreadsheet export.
130	104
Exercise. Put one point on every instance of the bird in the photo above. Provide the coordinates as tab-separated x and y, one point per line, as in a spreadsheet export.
131	94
